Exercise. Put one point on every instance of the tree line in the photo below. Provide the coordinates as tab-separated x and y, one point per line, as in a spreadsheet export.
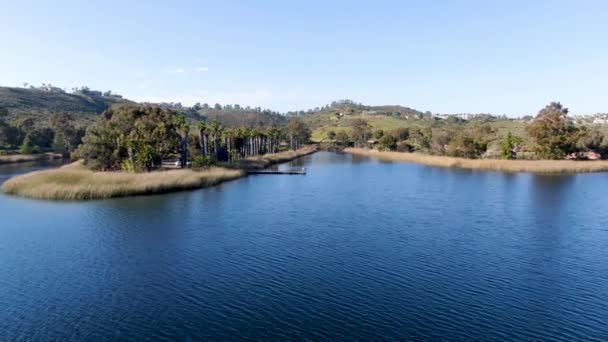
61	135
138	138
550	135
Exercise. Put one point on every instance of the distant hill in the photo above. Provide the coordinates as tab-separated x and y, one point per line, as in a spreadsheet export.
243	117
36	102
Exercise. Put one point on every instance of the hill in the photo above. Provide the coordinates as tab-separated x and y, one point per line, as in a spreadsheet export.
40	102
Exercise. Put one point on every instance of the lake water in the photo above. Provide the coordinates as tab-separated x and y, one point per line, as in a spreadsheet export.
357	249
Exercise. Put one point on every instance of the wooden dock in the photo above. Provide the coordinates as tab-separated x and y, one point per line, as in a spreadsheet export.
277	172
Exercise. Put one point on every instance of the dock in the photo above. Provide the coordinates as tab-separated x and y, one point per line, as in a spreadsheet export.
301	171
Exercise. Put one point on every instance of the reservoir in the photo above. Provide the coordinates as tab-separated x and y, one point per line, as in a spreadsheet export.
356	249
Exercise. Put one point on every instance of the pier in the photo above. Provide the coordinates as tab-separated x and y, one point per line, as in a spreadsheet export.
301	171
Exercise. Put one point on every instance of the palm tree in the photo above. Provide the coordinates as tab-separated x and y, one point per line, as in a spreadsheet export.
203	137
183	128
216	130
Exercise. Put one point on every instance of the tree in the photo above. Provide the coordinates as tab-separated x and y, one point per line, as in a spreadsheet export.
378	134
331	135
342	138
509	146
298	132
216	130
27	147
182	129
360	131
67	137
388	142
401	133
464	146
140	134
554	134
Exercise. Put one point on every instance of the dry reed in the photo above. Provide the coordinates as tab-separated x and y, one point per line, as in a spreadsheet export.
532	166
75	182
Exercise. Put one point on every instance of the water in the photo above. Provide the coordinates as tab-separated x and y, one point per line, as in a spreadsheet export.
355	250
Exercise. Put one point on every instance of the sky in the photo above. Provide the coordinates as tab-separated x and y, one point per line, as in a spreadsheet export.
504	57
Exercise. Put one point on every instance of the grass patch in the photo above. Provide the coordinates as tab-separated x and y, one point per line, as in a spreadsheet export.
532	166
76	182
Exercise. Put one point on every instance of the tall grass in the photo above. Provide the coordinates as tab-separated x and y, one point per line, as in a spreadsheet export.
21	158
533	166
76	182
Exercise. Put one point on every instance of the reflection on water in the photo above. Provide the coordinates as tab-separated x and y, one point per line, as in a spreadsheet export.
357	249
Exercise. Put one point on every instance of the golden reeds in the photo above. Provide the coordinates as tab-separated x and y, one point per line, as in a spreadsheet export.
76	182
533	166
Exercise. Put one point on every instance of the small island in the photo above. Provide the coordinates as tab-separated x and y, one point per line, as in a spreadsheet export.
138	150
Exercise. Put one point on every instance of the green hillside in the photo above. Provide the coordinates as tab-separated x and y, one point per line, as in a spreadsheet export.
38	103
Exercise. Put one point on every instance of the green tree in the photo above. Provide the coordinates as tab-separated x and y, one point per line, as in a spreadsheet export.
554	134
28	147
360	131
509	146
67	137
464	146
388	142
298	132
140	134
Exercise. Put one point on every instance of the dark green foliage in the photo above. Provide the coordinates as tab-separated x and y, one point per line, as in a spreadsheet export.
465	146
331	135
143	134
388	142
42	137
28	147
554	134
509	146
67	137
298	133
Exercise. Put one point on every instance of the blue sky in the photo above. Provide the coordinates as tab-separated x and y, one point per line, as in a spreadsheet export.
509	57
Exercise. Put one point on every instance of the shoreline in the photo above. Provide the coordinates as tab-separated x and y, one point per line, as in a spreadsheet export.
24	158
501	165
75	182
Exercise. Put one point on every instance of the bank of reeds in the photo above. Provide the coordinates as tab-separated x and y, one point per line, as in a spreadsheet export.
76	182
22	158
532	166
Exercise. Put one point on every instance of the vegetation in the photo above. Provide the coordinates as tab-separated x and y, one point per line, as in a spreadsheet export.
533	166
554	134
76	182
39	102
24	137
549	135
137	138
